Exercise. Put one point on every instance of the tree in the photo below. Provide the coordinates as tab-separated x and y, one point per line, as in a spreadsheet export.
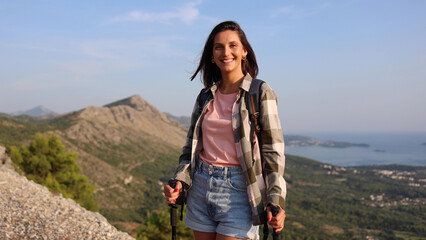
46	162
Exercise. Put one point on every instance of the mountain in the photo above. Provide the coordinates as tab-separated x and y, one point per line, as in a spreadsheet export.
38	111
130	149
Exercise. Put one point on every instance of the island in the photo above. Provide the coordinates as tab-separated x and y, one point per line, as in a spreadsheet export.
302	141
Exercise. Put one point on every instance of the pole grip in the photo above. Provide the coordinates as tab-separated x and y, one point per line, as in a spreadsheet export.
274	210
172	184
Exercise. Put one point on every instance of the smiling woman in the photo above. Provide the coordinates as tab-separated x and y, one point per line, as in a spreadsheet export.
234	36
231	183
228	54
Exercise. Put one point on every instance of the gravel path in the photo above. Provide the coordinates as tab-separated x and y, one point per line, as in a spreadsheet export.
30	211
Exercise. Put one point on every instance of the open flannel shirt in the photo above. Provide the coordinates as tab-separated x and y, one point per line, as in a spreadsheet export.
259	193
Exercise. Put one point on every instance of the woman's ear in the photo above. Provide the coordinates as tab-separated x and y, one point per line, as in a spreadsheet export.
244	55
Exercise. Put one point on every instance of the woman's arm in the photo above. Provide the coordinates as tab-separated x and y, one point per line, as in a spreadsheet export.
272	148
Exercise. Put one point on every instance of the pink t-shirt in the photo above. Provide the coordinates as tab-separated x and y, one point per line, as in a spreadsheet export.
218	137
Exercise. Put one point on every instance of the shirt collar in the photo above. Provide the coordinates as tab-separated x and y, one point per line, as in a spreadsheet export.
245	84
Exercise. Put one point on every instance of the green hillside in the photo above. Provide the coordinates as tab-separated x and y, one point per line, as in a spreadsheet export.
328	202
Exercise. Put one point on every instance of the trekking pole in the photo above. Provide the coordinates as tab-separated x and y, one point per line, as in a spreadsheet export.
275	209
173	212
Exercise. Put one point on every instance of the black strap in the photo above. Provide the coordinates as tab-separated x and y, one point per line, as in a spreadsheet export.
253	100
204	94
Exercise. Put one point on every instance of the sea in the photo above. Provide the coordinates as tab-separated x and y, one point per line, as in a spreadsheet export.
403	148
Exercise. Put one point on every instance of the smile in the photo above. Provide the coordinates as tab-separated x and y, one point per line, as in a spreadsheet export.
227	60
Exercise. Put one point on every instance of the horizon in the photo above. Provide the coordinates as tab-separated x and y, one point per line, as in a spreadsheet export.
336	66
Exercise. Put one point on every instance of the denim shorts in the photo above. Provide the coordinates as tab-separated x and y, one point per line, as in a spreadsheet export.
218	202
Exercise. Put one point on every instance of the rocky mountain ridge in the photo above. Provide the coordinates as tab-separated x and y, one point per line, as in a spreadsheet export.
137	114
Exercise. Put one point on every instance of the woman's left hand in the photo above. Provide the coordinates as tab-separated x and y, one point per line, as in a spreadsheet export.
276	222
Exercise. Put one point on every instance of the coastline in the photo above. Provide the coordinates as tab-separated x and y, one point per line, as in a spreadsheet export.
403	148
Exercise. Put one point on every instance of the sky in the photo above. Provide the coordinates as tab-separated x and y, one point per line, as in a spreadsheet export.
336	66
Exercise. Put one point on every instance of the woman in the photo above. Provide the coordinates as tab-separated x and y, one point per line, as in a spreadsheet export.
229	190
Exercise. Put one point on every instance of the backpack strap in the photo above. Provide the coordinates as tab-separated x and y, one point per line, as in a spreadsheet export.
204	94
253	105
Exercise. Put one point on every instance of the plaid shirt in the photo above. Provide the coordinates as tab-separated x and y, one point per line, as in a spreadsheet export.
262	189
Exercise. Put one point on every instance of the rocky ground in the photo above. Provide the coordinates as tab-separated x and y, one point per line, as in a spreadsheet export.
30	211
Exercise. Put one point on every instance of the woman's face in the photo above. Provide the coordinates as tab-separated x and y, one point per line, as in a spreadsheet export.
228	51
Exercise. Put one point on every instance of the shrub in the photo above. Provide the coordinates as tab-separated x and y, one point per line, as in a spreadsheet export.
46	162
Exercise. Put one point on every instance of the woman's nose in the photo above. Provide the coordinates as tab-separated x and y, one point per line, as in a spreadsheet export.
227	51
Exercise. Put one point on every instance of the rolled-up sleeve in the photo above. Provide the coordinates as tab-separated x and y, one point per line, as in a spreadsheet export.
272	147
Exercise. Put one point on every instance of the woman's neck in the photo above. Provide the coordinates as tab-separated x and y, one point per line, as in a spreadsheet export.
230	83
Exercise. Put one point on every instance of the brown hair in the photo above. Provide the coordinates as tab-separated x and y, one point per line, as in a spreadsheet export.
210	72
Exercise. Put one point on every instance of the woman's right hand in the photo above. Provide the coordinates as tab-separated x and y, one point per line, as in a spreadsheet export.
172	194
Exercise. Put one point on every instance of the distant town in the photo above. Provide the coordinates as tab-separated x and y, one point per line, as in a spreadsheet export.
381	200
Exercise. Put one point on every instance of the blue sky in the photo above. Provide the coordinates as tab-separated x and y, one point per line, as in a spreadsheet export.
335	65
